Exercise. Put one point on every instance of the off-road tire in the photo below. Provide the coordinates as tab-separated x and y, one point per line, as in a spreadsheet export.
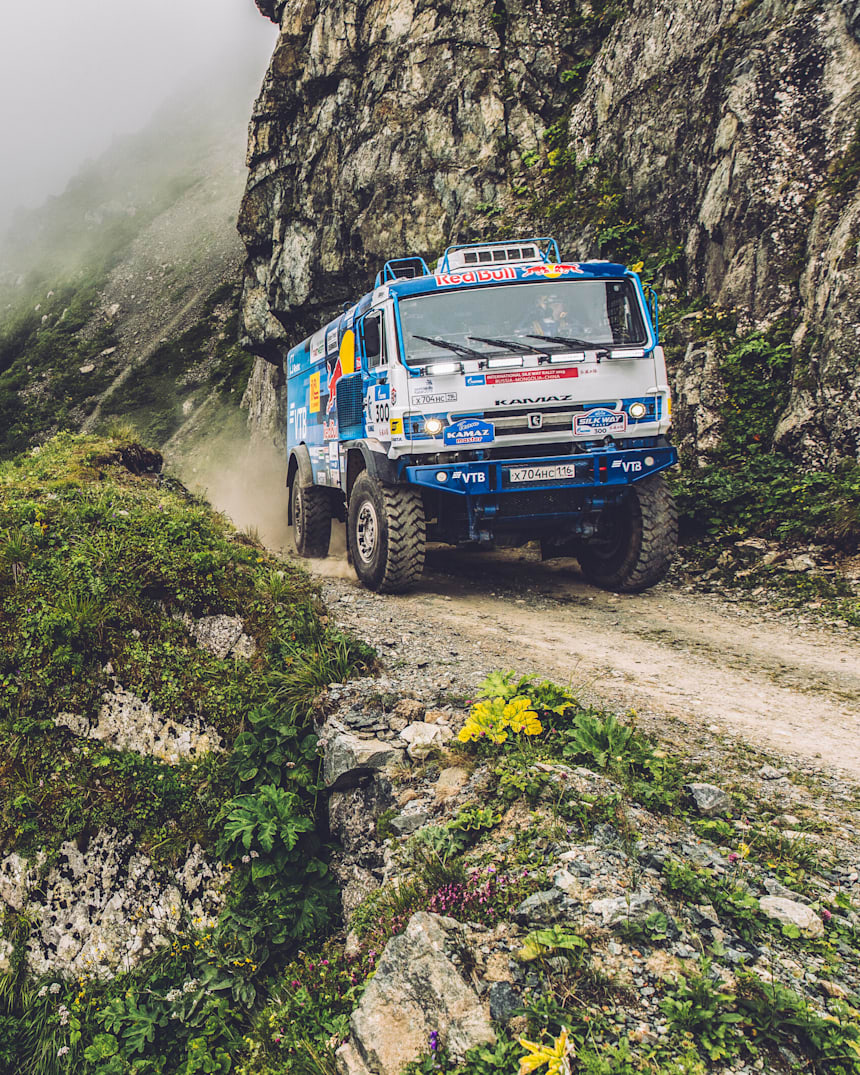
637	540
311	511
387	534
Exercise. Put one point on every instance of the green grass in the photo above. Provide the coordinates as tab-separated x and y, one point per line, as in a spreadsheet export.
100	560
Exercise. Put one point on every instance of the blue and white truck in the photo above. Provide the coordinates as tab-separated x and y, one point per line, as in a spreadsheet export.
505	397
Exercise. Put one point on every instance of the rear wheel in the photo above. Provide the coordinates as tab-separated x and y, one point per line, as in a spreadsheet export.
387	534
311	510
636	540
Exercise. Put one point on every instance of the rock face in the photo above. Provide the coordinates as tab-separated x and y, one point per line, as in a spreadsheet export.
727	129
418	987
103	908
127	722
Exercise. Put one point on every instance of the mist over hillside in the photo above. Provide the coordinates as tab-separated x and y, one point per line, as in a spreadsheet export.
118	298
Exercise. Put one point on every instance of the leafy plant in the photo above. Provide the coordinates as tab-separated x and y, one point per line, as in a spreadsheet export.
697	1007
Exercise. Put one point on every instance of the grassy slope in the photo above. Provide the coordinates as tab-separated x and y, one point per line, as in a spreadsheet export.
98	558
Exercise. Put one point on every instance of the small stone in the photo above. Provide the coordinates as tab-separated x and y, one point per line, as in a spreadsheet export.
790	912
710	801
450	782
87	369
768	772
505	1001
409	821
545	908
621	910
424	738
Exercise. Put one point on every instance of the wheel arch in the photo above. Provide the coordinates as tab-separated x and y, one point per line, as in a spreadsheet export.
299	463
360	458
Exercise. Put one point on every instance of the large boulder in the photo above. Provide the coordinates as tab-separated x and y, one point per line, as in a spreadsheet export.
418	988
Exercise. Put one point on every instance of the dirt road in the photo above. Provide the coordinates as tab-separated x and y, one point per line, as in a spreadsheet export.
700	663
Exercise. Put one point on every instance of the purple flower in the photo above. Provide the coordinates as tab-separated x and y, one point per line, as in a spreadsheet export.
434	1041
826	915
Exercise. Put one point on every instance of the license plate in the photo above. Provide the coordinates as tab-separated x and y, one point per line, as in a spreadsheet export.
542	474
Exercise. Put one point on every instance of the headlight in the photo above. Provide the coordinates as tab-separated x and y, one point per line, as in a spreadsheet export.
434	426
637	410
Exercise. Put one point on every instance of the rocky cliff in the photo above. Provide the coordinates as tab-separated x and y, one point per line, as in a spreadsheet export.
716	139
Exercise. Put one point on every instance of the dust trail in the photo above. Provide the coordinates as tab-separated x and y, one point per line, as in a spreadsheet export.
244	479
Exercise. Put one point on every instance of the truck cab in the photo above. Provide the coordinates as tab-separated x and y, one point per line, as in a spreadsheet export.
503	397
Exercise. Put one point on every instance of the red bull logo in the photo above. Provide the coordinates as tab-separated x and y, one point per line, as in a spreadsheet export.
476	276
551	272
343	367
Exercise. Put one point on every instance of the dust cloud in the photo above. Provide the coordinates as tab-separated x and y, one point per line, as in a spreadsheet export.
244	479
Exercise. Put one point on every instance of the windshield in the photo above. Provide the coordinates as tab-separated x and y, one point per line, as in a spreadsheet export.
567	315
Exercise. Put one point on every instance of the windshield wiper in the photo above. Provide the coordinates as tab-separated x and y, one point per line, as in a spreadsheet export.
513	345
457	348
570	341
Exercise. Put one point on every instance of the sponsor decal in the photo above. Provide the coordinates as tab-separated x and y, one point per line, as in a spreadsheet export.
382	391
551	272
315	393
470	477
469	431
343	367
629	466
440	397
333	460
475	378
476	276
532	399
396	427
317	346
555	472
300	420
331	341
532	375
330	430
598	422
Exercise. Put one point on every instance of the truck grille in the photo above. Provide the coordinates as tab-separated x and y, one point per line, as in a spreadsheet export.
514	422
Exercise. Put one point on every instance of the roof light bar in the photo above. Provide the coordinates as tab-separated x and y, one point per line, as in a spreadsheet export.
442	369
628	352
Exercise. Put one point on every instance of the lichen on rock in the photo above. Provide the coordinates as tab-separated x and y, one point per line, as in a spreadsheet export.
127	722
101	909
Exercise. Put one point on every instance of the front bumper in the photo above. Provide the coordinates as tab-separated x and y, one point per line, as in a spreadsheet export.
592	470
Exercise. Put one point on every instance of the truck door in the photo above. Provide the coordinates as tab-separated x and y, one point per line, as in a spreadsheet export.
375	362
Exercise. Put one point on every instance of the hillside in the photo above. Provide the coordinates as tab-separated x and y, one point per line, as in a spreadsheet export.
222	851
120	296
156	672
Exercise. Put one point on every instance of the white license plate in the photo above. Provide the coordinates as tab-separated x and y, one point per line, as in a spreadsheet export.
542	474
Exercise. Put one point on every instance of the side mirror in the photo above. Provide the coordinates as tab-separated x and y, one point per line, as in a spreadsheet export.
654	310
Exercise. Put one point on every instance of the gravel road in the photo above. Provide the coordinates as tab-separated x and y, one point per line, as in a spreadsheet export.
696	666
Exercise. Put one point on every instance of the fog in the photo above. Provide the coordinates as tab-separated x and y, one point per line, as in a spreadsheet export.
75	73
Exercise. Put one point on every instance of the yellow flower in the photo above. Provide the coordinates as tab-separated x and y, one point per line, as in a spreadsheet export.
521	717
638	267
554	1056
743	850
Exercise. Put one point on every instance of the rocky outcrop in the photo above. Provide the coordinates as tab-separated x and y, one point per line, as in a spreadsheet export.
102	908
127	722
727	130
419	988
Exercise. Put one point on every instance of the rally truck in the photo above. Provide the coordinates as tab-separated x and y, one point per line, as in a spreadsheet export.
505	397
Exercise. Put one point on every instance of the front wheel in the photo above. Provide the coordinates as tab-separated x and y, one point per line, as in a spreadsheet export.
636	541
311	511
387	534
